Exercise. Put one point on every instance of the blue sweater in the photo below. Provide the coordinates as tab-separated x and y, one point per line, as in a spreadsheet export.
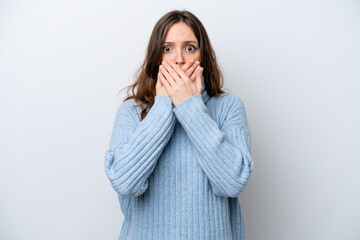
178	172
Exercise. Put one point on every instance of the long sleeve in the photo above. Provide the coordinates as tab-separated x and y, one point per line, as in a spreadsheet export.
224	153
136	146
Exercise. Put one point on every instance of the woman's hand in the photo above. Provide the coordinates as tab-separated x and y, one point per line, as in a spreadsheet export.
160	88
177	84
189	68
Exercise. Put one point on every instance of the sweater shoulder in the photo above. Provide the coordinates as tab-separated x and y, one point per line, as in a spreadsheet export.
229	109
128	113
228	100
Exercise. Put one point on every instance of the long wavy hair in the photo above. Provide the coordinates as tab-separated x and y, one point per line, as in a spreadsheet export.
146	74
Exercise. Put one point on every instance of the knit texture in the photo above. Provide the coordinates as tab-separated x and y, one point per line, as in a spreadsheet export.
179	172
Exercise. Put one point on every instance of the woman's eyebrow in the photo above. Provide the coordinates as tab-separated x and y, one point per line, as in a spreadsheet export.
170	43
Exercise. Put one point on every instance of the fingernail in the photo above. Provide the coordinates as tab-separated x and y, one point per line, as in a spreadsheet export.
192	60
163	62
161	66
197	62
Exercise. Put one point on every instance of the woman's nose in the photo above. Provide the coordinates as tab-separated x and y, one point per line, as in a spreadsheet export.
179	58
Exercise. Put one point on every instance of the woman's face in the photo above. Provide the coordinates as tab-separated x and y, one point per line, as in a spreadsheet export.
180	45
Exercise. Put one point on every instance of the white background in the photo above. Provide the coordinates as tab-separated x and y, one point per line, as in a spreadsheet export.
295	65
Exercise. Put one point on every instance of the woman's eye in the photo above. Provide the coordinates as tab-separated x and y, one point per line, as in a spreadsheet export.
166	48
189	48
193	48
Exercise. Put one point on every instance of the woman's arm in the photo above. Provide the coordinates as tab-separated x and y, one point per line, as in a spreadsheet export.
136	146
223	153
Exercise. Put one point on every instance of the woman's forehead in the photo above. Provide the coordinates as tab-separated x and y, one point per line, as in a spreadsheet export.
179	42
180	32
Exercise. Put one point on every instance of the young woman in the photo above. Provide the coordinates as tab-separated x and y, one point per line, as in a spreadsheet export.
179	153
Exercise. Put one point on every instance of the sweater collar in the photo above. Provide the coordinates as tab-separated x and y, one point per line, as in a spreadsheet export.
204	93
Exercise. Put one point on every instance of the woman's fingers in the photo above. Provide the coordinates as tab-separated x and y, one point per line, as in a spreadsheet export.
167	79
187	66
175	69
163	79
173	73
170	74
194	74
191	71
158	84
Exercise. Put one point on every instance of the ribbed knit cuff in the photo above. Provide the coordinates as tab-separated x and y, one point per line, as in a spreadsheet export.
162	99
167	101
189	104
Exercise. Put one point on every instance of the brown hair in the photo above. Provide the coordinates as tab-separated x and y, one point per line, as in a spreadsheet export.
146	76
